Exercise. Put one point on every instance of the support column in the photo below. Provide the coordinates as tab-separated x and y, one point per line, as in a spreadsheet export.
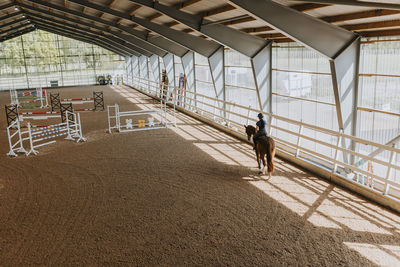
217	63
136	69
155	67
128	69
132	71
261	64
144	71
189	69
345	73
143	67
169	67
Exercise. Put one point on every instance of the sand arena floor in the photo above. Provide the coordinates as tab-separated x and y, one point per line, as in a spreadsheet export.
179	196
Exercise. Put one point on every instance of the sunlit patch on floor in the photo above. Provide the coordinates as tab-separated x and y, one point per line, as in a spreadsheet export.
215	154
321	220
318	202
383	255
349	218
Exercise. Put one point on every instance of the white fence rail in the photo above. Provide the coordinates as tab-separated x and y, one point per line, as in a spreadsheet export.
341	160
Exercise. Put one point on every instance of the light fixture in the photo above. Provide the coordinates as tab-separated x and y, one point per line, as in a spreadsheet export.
23	16
16	8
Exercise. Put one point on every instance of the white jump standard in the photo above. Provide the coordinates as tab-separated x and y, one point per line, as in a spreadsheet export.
18	145
161	114
40	136
133	127
39	95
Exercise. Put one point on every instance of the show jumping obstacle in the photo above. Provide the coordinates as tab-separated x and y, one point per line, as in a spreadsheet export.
65	110
19	98
97	100
12	114
38	115
115	115
39	136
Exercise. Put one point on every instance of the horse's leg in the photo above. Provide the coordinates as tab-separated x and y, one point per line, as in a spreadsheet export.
258	162
270	156
264	164
258	158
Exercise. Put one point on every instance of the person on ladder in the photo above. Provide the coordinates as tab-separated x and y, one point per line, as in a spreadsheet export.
261	131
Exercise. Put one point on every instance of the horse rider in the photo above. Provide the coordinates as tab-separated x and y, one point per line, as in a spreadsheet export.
260	129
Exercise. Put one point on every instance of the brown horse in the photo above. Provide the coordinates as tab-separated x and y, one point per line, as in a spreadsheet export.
265	147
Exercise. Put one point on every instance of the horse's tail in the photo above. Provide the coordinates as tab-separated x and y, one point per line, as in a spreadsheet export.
270	154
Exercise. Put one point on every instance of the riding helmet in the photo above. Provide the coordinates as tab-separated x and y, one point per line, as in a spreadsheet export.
260	115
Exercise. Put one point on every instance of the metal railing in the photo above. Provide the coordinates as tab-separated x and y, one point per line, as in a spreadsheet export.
351	165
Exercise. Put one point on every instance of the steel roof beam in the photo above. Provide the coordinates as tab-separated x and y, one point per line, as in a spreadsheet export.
191	42
358	3
104	43
242	42
17	34
13	22
7	6
15	28
107	43
10	15
85	34
75	27
88	31
85	39
327	39
133	40
169	46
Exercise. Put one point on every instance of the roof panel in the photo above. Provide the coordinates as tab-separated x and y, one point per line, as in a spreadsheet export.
229	16
368	20
336	10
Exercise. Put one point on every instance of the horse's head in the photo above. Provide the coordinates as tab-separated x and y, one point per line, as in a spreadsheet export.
250	130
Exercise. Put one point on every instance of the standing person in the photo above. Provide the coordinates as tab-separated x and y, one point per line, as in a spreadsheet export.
260	129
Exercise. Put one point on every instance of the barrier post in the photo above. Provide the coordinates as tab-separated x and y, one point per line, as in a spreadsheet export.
77	126
11	153
389	169
248	115
98	100
117	119
109	119
40	93
299	140
44	93
21	141
335	159
270	126
55	101
81	138
31	141
11	113
69	137
231	106
175	115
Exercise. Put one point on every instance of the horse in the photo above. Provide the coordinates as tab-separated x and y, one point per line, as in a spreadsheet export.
265	147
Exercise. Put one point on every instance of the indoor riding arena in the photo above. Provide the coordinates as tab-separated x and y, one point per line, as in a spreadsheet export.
200	133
